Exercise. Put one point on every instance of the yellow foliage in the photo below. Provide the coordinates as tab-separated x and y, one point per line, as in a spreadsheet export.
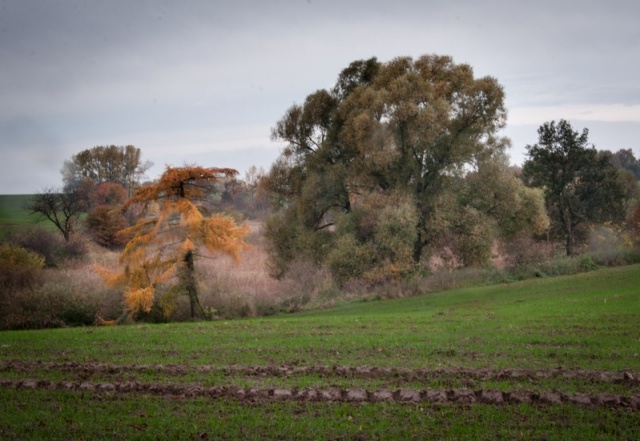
187	246
102	322
170	268
163	237
111	278
18	257
140	299
188	212
221	234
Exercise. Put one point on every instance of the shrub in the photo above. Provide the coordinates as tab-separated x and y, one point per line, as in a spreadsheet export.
70	296
19	267
473	239
105	223
349	259
633	223
48	244
524	252
395	234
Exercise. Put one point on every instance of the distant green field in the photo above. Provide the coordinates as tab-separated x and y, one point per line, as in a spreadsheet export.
13	214
549	358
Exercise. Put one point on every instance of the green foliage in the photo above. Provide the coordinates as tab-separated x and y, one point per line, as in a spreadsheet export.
625	159
380	158
11	255
289	240
496	192
395	232
473	237
348	259
581	187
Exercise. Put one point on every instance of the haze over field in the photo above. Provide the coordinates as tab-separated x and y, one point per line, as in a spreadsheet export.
204	82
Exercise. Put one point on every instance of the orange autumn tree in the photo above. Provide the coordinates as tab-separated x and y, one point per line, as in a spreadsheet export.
166	239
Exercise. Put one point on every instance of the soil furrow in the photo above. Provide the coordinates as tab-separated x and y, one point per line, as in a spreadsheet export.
367	372
335	395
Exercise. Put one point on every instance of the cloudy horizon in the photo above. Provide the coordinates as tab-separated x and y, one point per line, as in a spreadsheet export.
204	81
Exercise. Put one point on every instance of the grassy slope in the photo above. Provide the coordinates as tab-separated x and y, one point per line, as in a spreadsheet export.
587	321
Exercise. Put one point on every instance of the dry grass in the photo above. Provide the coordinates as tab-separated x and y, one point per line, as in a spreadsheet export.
71	294
74	294
244	288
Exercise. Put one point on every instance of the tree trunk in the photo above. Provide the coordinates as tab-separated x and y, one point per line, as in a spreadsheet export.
417	247
190	286
568	226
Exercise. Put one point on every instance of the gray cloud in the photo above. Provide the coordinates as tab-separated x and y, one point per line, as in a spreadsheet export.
82	73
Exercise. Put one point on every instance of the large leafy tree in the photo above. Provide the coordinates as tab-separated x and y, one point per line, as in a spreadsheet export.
385	147
118	164
580	186
168	236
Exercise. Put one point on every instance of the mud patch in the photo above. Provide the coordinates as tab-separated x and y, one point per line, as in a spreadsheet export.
401	396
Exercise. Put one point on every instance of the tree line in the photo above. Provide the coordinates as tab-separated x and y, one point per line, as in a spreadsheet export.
399	163
403	159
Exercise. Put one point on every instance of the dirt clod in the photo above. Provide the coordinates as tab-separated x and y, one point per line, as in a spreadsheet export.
462	396
490	396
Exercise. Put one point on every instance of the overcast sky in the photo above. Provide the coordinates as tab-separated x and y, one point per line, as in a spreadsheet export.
204	81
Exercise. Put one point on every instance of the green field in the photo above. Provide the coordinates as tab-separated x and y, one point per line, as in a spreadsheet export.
554	358
13	214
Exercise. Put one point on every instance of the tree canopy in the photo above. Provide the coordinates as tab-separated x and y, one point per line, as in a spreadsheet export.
167	238
118	164
580	185
625	159
371	170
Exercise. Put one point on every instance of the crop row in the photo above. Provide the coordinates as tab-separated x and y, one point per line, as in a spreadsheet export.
404	396
368	372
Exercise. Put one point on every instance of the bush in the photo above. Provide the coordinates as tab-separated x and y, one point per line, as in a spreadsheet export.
395	234
48	244
524	252
349	259
473	239
19	268
104	223
34	308
70	296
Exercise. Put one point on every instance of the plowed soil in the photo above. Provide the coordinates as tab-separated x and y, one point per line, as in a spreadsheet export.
462	396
